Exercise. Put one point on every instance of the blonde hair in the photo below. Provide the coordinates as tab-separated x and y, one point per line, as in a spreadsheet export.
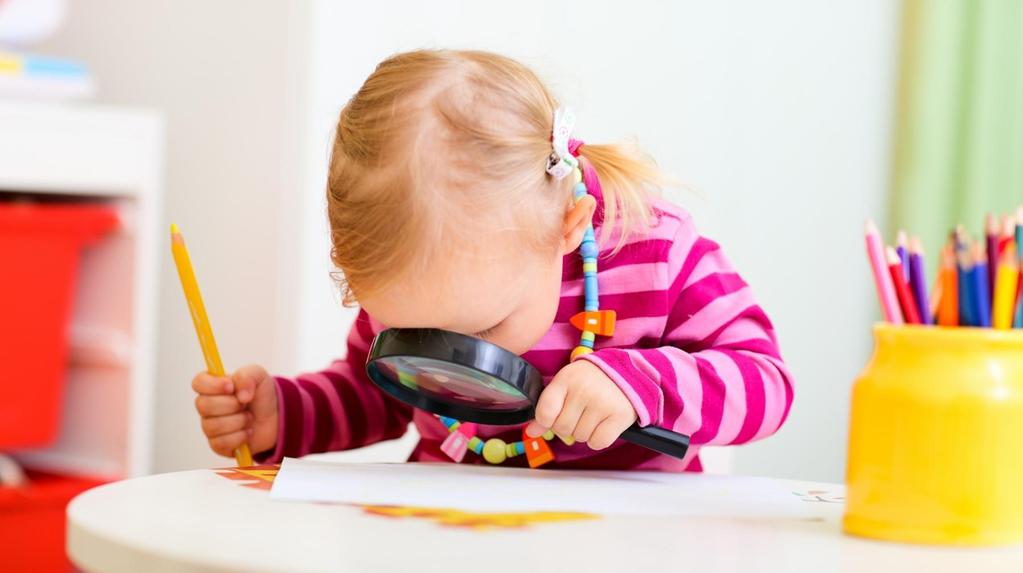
434	134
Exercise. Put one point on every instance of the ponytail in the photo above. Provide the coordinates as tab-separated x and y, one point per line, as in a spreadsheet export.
628	180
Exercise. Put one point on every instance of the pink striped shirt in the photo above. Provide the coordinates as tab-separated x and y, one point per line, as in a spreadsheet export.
692	351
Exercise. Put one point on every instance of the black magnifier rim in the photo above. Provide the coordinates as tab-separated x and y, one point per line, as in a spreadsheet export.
465	351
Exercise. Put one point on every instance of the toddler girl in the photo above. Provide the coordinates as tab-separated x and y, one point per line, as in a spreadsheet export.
450	200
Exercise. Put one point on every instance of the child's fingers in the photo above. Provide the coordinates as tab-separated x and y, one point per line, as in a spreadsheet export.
549	406
588	422
211	385
245	380
226	445
571	411
607	432
217	405
220	425
534	429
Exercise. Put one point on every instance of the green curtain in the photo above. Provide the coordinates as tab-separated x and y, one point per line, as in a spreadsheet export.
959	123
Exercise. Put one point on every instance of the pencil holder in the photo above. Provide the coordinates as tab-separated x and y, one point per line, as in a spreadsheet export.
936	438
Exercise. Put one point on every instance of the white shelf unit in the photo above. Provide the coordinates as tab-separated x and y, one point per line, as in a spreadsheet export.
114	156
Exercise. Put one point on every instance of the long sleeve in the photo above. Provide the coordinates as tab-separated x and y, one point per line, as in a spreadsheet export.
717	374
338	408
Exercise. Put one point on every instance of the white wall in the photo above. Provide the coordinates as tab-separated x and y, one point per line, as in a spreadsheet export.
223	74
777	114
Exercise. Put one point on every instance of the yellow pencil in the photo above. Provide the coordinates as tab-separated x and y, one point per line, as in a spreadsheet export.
1005	289
242	455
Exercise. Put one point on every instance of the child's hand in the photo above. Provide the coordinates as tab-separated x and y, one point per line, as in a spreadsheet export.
582	402
237	409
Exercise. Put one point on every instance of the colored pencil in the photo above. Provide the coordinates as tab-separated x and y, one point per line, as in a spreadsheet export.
1003	311
1019	233
977	283
905	297
242	455
1007	234
1018	320
918	280
937	297
948	311
964	273
902	248
882	276
981	298
991	234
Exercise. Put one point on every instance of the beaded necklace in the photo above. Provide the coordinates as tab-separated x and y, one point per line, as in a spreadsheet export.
591	323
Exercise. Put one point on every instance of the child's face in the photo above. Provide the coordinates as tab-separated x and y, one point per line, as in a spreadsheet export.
507	296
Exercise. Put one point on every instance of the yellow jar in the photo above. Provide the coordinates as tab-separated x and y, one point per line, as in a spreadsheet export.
936	438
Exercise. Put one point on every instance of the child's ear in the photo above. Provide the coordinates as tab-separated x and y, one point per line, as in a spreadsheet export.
577	218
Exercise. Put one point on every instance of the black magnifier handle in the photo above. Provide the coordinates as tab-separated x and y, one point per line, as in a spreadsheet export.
657	439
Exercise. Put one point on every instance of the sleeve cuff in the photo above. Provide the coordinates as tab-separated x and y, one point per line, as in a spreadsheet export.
644	395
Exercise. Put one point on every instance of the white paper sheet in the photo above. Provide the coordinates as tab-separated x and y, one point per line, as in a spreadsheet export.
500	489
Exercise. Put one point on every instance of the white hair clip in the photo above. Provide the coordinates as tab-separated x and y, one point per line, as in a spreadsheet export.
560	162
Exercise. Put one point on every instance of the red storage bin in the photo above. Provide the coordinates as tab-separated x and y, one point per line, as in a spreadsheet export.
32	529
40	246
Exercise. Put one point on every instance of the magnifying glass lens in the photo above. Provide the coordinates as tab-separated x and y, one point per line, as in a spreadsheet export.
452	383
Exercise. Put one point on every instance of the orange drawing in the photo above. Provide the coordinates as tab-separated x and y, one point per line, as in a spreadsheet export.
262	477
478	521
257	477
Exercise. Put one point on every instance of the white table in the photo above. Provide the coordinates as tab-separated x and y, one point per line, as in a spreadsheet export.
200	521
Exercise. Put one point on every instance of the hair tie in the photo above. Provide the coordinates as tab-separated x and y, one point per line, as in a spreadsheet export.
574	145
562	161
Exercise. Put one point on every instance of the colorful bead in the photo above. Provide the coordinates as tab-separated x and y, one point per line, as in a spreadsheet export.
494	450
461	438
589	250
580	351
467	429
476	445
597	322
455	446
589	267
579	191
588	336
538	452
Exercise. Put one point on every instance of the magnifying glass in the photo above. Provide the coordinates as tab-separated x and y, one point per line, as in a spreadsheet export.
469	379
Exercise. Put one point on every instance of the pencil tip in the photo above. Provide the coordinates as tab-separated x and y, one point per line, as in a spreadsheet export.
174	229
870	227
916	246
1008	256
892	256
